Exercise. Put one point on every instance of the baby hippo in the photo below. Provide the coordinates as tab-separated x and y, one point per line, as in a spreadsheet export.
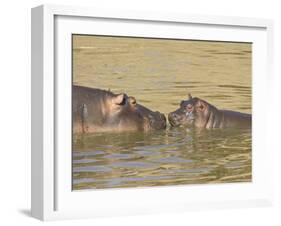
198	113
96	110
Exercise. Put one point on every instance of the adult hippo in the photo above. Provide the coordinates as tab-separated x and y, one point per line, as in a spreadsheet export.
97	110
200	114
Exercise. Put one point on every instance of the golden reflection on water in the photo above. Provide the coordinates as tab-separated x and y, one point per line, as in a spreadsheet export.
160	73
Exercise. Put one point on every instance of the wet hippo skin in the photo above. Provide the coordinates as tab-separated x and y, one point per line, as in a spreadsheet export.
96	110
198	113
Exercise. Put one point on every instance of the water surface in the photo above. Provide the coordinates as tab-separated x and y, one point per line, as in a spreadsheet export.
160	73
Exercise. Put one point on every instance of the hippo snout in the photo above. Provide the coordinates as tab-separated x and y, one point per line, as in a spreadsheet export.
158	120
164	120
161	116
178	118
173	118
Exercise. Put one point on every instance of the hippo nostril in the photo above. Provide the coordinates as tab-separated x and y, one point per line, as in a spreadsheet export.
173	117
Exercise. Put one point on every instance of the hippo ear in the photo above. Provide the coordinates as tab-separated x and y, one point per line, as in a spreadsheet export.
119	99
132	100
189	96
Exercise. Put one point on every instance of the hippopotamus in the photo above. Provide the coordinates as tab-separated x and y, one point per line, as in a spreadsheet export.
96	110
198	113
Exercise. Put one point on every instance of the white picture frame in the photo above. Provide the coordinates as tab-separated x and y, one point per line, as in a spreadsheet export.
52	197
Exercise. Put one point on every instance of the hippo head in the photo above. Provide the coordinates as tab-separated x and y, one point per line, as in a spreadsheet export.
125	113
193	111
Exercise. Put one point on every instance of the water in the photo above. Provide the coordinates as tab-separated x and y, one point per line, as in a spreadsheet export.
160	73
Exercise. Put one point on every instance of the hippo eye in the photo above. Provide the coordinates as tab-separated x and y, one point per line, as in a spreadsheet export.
189	107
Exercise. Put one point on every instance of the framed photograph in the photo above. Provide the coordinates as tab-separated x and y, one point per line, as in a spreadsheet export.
138	112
